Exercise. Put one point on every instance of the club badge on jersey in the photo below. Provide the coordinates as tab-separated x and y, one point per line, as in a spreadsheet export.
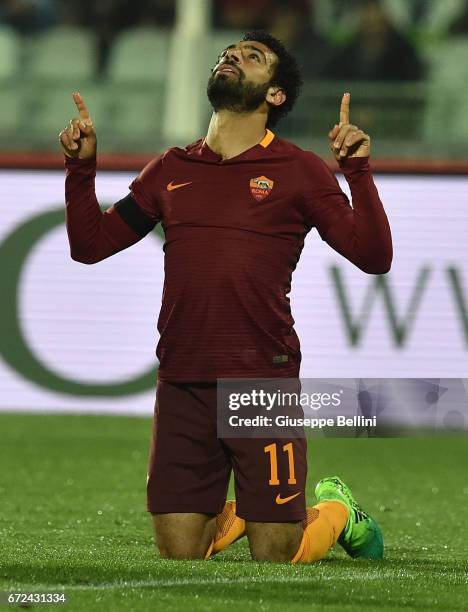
261	187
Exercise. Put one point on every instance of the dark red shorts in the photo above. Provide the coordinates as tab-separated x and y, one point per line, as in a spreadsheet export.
189	467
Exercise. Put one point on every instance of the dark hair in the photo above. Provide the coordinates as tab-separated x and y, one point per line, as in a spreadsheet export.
287	74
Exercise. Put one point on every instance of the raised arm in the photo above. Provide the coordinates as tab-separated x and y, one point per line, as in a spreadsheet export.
92	234
360	233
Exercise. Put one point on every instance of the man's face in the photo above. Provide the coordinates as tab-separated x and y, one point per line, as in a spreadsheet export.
242	77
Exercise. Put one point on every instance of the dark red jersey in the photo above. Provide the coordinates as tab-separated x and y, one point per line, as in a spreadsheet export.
234	232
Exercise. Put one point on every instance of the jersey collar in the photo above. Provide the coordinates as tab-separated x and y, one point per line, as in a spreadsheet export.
267	139
208	153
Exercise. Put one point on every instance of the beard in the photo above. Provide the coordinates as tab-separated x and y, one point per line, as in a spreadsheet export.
234	93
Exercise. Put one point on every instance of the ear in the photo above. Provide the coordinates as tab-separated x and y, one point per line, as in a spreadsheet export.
275	96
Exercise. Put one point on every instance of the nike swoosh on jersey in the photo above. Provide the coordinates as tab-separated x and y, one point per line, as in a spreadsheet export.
284	500
171	186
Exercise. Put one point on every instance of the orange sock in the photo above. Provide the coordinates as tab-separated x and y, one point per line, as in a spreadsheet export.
229	528
322	527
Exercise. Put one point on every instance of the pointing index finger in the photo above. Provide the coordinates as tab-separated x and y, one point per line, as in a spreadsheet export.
82	108
344	108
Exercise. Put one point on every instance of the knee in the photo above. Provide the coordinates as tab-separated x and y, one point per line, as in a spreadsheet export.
178	547
182	536
278	542
269	551
179	551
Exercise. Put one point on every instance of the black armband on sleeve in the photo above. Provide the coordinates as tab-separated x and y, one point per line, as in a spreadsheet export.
133	216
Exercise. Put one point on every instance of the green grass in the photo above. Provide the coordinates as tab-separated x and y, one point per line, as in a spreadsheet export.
72	518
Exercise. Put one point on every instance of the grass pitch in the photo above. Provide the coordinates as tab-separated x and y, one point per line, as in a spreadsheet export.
73	520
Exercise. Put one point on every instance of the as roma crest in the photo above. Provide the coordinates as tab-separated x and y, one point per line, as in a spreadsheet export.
261	187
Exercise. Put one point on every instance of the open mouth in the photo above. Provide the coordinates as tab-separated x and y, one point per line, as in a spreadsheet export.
226	69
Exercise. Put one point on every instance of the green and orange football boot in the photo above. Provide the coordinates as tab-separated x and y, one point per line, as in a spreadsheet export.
362	536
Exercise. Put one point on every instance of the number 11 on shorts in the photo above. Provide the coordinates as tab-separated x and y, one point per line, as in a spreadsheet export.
271	450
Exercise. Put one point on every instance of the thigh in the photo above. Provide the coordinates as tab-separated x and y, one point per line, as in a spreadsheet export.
188	468
184	535
274	541
270	478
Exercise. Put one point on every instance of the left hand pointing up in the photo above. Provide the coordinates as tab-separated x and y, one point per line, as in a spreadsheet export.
348	140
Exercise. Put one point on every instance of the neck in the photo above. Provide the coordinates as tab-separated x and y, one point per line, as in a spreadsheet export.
230	134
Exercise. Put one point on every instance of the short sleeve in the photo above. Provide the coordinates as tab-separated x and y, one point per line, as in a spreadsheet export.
144	189
325	202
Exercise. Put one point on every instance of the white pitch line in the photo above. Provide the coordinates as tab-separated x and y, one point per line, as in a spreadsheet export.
188	582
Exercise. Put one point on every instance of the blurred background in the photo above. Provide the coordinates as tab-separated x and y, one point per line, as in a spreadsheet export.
82	338
142	66
79	341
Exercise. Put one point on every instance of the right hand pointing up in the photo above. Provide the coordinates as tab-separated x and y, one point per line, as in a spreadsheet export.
79	139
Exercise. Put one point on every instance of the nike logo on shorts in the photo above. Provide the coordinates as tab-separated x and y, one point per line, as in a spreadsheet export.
171	186
284	500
